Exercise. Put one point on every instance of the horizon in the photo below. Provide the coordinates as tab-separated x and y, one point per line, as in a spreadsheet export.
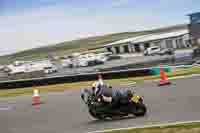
85	37
39	23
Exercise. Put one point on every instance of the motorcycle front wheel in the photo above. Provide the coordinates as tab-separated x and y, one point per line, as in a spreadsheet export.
96	116
140	110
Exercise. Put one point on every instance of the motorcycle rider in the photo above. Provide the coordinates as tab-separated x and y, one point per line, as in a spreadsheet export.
109	95
101	92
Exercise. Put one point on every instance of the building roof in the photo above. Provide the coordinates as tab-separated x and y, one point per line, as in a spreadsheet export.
192	14
151	37
125	40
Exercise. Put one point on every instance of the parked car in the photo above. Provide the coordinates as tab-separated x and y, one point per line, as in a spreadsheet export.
49	70
167	51
152	50
196	63
158	51
66	63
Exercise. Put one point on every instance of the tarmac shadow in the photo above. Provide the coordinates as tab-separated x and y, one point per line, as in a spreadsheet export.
96	121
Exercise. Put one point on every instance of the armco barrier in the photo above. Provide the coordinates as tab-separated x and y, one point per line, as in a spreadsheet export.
75	78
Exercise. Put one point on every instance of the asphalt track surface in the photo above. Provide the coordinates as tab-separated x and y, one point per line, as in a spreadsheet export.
66	113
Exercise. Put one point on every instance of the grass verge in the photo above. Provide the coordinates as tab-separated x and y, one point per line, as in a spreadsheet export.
78	85
179	128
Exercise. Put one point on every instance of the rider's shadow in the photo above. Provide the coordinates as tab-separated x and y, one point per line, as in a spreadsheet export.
114	119
125	118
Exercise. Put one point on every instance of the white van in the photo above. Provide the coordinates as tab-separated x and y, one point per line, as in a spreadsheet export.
152	50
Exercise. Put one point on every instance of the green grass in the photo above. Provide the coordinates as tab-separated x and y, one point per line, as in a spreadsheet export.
78	85
179	128
79	45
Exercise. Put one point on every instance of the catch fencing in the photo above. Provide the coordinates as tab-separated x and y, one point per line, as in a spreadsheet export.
12	84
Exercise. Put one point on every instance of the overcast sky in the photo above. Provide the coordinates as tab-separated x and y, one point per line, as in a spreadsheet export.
27	24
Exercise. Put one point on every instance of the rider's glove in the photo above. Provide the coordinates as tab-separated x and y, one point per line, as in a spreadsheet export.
99	99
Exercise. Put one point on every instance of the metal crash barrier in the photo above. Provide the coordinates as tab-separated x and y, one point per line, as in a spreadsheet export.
13	84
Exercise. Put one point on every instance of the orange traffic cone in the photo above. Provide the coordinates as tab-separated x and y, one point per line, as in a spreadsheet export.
36	97
163	80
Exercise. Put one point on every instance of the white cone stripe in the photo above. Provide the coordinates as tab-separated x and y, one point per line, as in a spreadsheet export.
36	92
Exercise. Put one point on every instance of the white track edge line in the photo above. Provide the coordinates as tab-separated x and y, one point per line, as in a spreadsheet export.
148	126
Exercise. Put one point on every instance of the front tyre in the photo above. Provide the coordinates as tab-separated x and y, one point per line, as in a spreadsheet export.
95	115
140	110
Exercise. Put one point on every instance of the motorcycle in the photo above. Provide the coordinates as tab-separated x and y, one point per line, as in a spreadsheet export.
101	110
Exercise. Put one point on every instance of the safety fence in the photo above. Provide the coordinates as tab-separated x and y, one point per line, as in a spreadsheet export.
12	84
